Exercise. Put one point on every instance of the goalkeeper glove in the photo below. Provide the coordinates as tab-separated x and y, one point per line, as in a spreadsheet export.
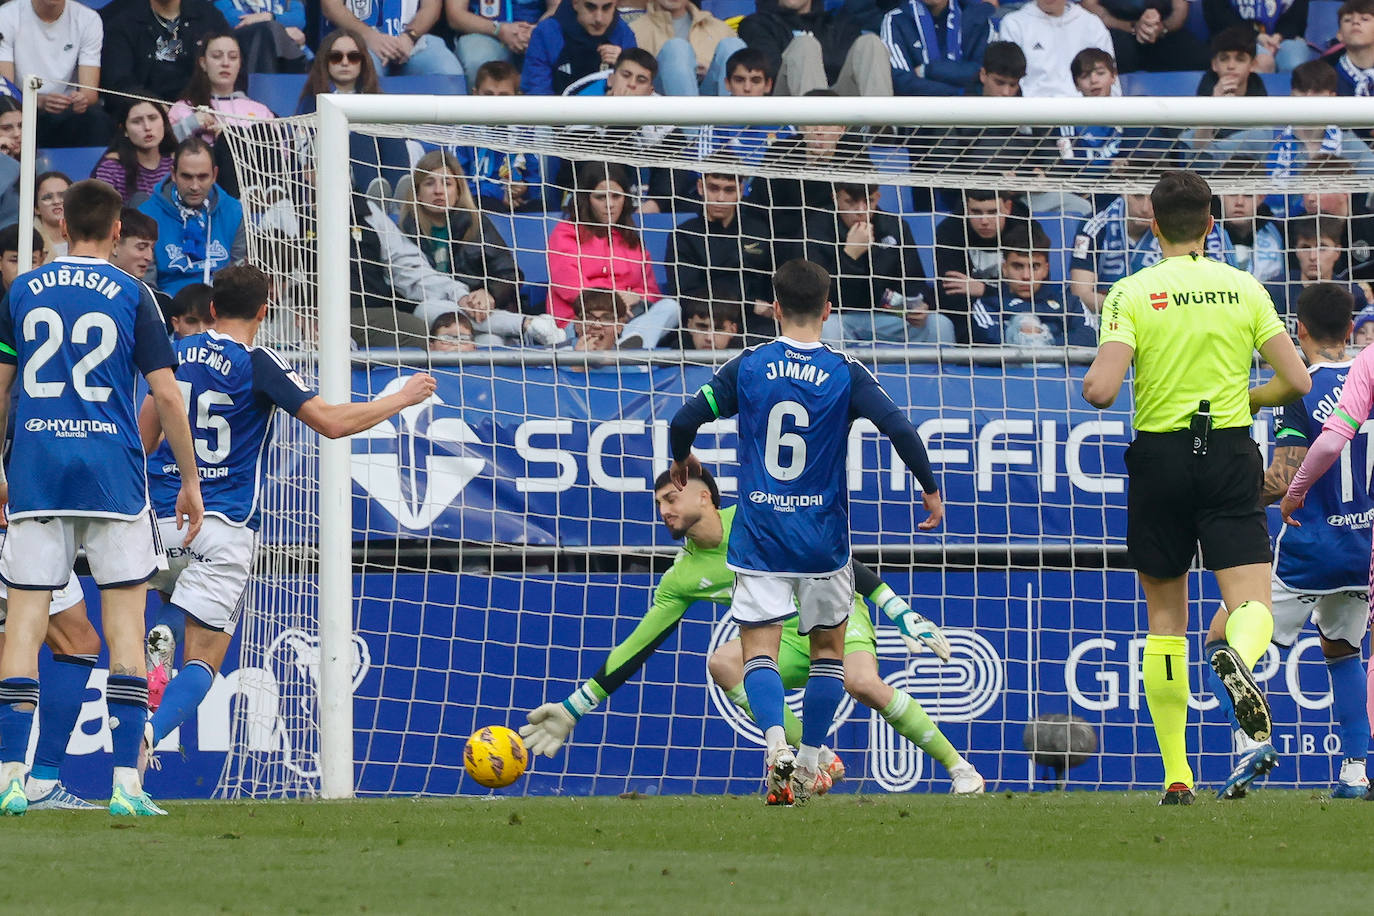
917	632
549	726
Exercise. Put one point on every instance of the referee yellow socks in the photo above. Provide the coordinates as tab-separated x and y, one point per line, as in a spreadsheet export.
1165	672
1249	629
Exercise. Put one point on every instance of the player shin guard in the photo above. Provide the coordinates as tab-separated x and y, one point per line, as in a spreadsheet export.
824	692
1348	703
183	696
61	695
127	698
910	721
16	723
1224	705
763	684
1165	671
790	723
1249	629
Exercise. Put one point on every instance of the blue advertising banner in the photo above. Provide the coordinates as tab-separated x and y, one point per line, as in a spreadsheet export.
556	457
442	655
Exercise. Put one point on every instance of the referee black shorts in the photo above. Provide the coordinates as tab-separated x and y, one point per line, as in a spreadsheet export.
1177	500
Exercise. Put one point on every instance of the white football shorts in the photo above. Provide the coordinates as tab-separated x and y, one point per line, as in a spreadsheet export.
820	602
208	580
64	599
1340	616
39	552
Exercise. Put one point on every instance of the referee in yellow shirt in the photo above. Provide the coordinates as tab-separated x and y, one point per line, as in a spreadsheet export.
1191	326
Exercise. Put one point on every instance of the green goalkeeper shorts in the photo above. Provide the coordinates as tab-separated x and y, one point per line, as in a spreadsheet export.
794	657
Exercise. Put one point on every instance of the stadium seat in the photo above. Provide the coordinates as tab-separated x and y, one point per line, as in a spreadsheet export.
655	230
529	235
280	92
725	9
1197	22
1277	83
75	162
922	227
1177	83
1323	22
1061	230
425	85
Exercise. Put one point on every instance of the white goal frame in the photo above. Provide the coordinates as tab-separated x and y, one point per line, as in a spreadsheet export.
337	113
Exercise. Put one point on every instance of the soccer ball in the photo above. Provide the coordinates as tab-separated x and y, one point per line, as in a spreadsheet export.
495	756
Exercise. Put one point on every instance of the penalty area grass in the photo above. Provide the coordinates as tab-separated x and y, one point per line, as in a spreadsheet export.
1078	852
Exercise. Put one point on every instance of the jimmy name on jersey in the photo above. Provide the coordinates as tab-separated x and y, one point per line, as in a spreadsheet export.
1330	552
795	402
79	330
231	393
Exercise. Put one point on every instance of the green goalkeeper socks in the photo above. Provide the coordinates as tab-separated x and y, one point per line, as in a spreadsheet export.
909	719
1165	672
1249	629
790	723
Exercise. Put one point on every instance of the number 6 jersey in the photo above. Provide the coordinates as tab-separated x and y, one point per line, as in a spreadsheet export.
795	402
78	331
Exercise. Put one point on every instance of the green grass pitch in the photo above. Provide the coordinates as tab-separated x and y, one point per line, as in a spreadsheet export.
1080	852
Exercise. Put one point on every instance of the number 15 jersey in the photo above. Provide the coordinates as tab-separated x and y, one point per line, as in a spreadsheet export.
78	330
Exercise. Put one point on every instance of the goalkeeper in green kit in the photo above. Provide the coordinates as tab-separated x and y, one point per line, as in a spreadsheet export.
699	574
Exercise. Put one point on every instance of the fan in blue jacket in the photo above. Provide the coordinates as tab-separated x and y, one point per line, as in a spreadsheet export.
1025	310
936	45
567	46
199	227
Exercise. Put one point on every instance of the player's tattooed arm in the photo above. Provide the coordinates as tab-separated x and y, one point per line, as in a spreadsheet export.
1282	470
123	671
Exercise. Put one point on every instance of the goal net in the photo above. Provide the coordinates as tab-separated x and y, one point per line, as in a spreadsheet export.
504	535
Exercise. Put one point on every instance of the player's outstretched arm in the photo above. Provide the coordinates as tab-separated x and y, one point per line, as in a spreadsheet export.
334	421
550	724
917	631
171	412
717	398
1290	380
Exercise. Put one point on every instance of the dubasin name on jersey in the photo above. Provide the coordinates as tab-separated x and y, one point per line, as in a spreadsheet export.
788	369
76	276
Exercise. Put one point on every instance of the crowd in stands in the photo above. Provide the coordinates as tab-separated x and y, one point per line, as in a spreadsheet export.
654	255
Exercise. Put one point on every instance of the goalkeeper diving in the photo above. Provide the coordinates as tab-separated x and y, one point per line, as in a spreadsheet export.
699	574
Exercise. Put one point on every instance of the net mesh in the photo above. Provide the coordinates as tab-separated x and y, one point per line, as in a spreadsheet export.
505	533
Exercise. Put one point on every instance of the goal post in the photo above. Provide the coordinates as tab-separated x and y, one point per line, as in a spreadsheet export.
1065	458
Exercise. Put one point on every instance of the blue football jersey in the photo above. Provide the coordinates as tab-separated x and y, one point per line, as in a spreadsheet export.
231	394
794	403
1104	246
79	331
1330	552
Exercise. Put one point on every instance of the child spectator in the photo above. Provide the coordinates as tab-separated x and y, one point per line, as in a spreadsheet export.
1051	33
1025	310
452	332
397	45
1363	335
58	41
1257	238
1118	241
1233	65
1318	249
1355	66
878	283
150	52
968	252
1149	34
937	46
495	32
48	190
502	181
710	323
599	319
580	38
189	312
692	47
633	73
455	238
1094	74
9	255
597	247
818	49
136	248
270	32
1279	28
748	75
141	154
